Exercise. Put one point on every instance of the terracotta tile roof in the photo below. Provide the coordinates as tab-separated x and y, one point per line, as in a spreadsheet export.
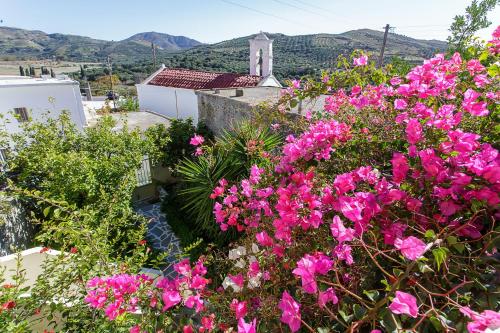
190	79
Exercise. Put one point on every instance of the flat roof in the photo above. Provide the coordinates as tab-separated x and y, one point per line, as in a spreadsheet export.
19	81
141	120
254	96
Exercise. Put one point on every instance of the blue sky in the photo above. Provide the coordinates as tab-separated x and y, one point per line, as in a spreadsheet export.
216	20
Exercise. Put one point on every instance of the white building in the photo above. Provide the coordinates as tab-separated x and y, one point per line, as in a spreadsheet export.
23	98
171	92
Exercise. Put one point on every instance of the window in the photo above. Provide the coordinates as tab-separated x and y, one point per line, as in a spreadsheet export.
3	159
22	114
144	173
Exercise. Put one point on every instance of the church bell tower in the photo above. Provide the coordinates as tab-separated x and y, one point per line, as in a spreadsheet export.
261	55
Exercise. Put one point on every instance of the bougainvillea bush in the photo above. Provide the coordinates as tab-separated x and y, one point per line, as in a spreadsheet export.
400	238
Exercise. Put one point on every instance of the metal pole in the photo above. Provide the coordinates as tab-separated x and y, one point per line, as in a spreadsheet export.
381	57
111	82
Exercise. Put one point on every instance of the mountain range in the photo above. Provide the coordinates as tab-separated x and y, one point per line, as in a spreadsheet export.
304	54
20	44
293	55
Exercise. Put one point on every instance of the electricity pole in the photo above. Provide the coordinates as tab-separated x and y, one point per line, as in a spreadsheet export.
110	68
381	56
153	48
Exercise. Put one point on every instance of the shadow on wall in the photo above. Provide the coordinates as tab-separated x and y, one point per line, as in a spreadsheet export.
16	231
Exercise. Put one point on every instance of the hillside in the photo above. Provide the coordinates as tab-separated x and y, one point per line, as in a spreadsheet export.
164	41
20	44
297	55
293	55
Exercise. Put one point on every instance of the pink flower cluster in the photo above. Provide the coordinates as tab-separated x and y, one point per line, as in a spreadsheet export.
116	294
459	171
197	141
487	321
123	293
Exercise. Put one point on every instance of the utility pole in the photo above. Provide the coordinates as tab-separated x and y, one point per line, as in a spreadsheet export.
153	48
381	56
110	68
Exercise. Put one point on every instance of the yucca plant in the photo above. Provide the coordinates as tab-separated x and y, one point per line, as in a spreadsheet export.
231	158
199	177
246	142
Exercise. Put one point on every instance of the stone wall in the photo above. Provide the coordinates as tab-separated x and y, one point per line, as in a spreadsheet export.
221	113
16	231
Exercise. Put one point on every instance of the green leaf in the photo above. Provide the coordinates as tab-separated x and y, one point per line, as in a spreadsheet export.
483	56
386	284
440	255
345	317
429	234
46	211
494	70
436	323
423	267
371	294
451	240
359	311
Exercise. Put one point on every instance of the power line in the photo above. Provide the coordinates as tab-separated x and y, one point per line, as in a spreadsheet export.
265	13
297	7
348	19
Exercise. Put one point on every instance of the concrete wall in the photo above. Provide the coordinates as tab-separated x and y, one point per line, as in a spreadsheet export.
222	113
15	229
168	101
42	101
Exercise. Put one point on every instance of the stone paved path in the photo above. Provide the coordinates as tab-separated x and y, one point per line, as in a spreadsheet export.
160	236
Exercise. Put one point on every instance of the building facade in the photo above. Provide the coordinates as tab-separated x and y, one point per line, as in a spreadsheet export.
172	91
23	98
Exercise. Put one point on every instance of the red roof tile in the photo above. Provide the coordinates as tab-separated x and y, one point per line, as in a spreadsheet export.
190	79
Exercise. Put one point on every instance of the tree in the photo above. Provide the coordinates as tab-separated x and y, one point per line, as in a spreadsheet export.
52	74
465	26
78	187
83	76
21	70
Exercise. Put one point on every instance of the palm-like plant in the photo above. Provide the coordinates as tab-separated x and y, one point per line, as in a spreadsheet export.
231	158
246	142
199	178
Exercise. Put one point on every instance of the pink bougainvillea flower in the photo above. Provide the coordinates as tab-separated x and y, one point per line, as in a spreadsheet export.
207	322
327	296
414	131
198	151
170	299
197	140
400	104
340	232
244	327
290	312
135	329
264	239
239	308
404	303
395	81
361	61
487	321
411	247
310	266
187	329
400	167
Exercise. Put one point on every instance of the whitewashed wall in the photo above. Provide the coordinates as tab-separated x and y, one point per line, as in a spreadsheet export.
162	100
41	101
